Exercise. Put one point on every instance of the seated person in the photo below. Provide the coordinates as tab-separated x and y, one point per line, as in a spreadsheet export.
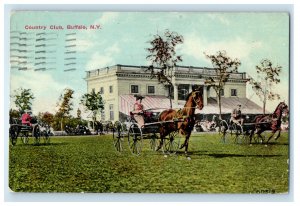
26	118
138	111
236	116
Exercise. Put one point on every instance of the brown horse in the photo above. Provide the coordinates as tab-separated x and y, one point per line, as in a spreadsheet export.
269	122
184	119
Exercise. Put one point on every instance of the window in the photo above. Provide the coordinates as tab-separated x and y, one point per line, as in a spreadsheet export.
233	92
134	89
151	90
110	89
183	91
222	92
101	90
111	112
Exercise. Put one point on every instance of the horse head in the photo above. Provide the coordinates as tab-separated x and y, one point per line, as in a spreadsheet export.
282	108
198	98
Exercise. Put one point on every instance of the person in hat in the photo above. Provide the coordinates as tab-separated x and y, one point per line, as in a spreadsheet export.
138	111
236	115
26	118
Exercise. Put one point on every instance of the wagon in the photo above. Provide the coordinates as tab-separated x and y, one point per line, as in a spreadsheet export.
36	131
237	133
145	136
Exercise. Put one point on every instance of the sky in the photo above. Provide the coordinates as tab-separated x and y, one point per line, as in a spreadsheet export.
122	39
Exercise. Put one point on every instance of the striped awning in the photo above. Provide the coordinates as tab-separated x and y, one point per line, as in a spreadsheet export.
160	103
229	103
155	103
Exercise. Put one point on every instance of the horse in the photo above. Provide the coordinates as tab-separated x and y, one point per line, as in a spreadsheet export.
184	119
269	122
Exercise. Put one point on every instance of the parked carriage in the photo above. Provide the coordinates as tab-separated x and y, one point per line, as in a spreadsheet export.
17	129
161	128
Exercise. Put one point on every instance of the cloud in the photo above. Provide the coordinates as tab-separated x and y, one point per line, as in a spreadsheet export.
194	46
84	45
99	60
44	88
107	17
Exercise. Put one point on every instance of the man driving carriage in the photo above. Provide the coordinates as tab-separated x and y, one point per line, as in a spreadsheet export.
26	118
138	110
236	115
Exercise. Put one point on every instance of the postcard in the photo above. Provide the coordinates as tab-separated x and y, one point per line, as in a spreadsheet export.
149	102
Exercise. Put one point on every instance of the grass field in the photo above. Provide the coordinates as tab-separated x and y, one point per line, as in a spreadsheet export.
91	164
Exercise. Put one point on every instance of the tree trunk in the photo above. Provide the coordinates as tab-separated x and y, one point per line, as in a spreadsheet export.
219	104
61	124
264	107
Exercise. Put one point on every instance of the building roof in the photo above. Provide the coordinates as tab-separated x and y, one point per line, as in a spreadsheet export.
160	103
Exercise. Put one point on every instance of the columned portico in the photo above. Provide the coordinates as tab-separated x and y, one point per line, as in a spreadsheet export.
175	93
205	95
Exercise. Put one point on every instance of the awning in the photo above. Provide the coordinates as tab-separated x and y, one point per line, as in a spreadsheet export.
155	103
160	103
229	103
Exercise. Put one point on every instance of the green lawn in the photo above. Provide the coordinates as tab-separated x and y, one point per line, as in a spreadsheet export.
91	164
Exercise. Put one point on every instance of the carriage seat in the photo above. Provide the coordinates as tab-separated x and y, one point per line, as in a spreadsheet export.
149	116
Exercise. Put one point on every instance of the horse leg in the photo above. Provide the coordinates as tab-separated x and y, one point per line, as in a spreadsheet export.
162	133
250	136
272	134
278	135
186	142
258	133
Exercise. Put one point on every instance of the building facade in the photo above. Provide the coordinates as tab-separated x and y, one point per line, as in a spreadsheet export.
118	84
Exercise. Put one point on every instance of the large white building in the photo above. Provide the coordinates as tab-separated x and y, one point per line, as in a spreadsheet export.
118	84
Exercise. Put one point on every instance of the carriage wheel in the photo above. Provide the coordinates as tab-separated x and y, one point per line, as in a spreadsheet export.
13	134
245	138
25	138
171	143
37	134
153	142
117	136
46	137
135	138
224	131
237	133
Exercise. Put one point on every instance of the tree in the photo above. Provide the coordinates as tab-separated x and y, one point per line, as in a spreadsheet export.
267	77
46	118
163	58
65	105
223	66
78	113
23	99
93	102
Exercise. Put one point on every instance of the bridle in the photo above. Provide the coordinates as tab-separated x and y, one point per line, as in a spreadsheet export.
196	100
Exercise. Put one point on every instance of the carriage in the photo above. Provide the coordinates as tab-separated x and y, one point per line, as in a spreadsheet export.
244	133
137	136
161	128
235	132
17	129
